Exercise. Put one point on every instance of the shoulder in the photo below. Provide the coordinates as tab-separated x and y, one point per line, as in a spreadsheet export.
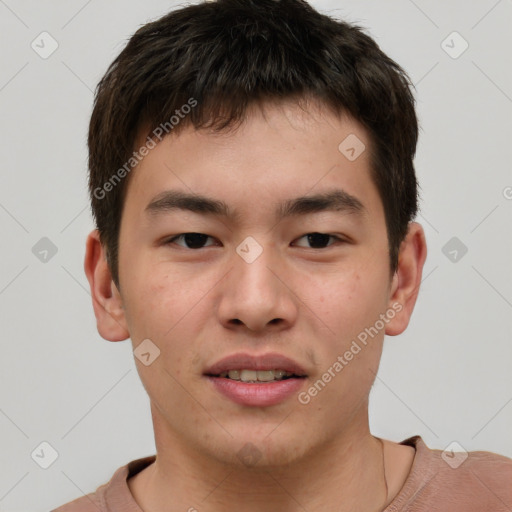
483	479
88	503
112	496
457	464
454	480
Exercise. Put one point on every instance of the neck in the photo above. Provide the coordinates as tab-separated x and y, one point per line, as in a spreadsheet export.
342	474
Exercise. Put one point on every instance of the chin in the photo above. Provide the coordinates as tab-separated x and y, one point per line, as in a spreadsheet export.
260	452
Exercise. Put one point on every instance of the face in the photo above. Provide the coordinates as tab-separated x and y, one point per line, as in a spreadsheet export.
302	285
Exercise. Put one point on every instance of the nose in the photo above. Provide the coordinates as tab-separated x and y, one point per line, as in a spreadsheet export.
257	295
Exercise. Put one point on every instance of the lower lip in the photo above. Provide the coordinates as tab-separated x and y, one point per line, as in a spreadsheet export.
257	395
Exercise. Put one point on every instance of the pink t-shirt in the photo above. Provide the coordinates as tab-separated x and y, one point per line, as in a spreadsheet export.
482	482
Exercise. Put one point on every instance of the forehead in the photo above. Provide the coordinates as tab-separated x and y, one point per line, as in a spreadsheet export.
279	151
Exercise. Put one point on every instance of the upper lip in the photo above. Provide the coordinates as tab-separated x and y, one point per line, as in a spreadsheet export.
244	361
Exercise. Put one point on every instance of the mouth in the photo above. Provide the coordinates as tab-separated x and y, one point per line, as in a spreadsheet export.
256	368
257	381
257	376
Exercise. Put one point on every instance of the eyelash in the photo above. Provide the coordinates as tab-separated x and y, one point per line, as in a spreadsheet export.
336	238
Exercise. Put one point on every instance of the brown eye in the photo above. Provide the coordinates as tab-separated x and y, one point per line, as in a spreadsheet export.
319	239
191	240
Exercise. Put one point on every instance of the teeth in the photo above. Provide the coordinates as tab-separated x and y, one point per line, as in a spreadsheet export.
249	375
234	374
265	376
256	376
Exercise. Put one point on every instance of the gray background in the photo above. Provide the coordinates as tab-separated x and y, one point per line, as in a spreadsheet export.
446	378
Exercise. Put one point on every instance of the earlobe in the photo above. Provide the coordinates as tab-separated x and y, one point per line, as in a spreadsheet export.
106	299
407	279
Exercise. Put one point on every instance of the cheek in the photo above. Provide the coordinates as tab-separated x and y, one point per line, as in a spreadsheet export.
160	309
169	308
156	301
346	304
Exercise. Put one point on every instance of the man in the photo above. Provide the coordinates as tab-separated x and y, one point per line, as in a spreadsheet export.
252	181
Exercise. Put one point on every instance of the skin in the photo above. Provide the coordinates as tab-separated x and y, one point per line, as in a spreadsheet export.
200	305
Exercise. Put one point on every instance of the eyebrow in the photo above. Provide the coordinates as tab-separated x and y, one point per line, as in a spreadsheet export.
332	200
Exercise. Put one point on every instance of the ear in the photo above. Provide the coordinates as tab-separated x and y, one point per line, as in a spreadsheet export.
106	299
406	282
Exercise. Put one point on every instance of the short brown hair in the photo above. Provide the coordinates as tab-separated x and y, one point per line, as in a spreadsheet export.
228	54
